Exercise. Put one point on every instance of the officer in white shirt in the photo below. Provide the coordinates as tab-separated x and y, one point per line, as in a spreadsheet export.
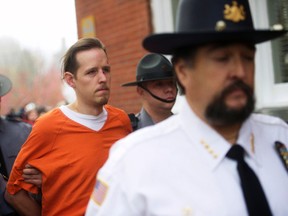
198	161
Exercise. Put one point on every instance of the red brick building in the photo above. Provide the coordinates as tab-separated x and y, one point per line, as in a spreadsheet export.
121	25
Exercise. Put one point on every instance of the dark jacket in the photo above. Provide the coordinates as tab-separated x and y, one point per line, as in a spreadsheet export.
13	133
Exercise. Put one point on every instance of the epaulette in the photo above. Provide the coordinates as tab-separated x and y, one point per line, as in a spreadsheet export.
282	152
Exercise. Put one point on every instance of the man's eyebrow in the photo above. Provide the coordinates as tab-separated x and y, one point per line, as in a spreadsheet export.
96	68
91	68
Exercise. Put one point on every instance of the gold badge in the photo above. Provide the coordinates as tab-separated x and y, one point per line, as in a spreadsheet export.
234	13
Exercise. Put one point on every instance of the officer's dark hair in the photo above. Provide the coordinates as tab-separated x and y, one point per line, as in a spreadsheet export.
69	61
187	54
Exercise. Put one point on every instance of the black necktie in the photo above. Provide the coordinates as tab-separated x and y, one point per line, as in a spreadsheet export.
255	199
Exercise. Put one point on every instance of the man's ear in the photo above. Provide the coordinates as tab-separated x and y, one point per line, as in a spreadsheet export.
139	90
181	71
69	79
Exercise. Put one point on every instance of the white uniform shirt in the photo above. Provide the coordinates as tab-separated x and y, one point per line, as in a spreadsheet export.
178	167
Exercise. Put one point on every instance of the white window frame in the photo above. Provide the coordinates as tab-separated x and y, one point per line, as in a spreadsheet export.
162	21
162	17
268	93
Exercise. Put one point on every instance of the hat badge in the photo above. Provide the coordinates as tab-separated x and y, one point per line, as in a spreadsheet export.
164	67
234	12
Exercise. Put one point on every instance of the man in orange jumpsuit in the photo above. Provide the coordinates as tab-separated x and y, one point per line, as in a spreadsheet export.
69	144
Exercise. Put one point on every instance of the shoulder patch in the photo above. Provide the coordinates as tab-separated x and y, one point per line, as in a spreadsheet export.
282	152
99	192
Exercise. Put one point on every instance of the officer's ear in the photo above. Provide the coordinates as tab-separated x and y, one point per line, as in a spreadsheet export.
140	90
182	71
69	79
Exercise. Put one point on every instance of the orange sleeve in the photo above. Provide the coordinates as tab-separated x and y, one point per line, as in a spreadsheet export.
38	143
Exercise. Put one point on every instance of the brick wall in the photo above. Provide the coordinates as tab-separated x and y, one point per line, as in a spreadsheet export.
121	25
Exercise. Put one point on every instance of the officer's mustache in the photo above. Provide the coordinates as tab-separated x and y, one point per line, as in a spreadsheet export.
239	84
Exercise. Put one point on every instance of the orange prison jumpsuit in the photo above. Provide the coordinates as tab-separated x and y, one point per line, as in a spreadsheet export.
69	156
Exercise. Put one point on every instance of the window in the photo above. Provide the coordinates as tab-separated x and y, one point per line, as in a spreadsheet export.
271	83
278	13
174	4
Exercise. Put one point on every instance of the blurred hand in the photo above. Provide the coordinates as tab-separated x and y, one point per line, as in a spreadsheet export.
32	175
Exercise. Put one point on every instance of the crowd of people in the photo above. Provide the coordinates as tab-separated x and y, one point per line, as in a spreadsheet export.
28	113
215	157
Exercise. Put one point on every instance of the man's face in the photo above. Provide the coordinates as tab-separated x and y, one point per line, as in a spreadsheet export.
164	89
92	84
219	84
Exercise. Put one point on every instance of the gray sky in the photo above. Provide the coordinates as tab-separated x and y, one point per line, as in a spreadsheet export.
39	24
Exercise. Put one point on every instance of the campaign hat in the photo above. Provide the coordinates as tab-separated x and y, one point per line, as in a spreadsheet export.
207	21
5	85
152	67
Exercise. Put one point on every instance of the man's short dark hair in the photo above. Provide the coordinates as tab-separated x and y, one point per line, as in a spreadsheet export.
69	62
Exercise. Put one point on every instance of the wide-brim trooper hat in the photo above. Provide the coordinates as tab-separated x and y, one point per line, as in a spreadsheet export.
152	67
205	21
5	85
